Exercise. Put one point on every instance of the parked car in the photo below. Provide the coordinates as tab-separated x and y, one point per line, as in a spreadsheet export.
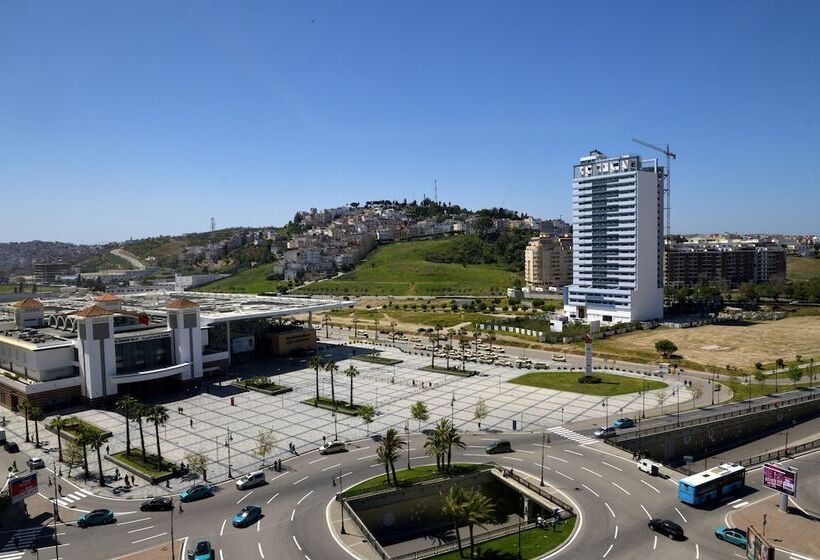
161	503
622	423
196	492
604	432
667	527
250	480
202	551
247	516
96	517
36	463
559	358
11	446
330	447
732	535
500	446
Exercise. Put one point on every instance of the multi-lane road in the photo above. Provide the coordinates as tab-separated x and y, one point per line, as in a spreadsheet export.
614	499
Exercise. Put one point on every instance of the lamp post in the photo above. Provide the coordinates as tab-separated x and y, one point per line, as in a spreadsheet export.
677	418
520	520
749	383
173	554
562	414
342	499
407	434
56	515
605	404
543	445
228	440
643	397
335	427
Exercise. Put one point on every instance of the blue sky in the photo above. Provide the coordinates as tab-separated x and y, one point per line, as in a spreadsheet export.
133	119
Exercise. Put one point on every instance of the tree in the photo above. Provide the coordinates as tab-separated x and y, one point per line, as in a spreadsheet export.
794	374
779	363
126	405
481	411
157	414
758	366
97	439
58	424
265	440
478	509
661	398
36	414
464	343
367	413
760	377
351	372
73	457
393	331
140	411
332	368
83	439
434	343
435	446
666	347
418	411
452	504
697	392
198	463
24	406
388	453
317	363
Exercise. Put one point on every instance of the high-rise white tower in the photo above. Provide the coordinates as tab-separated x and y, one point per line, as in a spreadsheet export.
617	218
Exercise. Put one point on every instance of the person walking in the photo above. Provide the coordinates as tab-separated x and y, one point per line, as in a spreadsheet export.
192	422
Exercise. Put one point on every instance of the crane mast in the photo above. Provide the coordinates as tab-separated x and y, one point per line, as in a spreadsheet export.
667	204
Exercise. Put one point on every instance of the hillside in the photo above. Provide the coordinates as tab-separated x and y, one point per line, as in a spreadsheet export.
404	269
166	248
250	281
802	268
105	261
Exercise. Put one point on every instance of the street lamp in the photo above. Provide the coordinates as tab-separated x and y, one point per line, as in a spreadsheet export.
342	499
605	404
407	434
643	397
543	445
335	427
562	414
56	515
228	441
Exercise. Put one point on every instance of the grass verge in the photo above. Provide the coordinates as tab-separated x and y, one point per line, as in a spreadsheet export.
341	406
535	543
76	426
741	391
372	359
151	468
450	371
413	476
568	381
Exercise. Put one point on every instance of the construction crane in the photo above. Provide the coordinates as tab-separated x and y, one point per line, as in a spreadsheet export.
666	191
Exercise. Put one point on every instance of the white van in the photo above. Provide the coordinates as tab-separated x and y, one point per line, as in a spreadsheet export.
649	467
250	480
559	358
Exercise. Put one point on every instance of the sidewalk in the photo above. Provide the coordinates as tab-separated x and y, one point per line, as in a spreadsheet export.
787	531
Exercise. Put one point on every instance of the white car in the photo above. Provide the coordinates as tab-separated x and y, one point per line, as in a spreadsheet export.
36	463
604	432
330	447
250	480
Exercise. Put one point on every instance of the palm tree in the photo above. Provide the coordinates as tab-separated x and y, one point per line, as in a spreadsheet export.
97	439
453	507
463	343
433	340
36	414
451	438
385	460
434	446
157	414
140	411
332	367
58	424
83	438
316	363
393	330
449	347
25	407
376	329
388	452
351	372
478	509
127	405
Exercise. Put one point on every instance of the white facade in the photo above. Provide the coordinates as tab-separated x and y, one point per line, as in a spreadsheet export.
617	213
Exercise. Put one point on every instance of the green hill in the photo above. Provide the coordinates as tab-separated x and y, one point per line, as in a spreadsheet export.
404	269
250	281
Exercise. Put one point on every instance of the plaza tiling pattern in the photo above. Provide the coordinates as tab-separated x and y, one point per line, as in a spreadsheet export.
390	389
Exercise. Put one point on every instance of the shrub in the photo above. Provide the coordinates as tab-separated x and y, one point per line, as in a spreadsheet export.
592	379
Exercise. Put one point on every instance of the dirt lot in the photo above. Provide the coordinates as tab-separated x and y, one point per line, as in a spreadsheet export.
737	345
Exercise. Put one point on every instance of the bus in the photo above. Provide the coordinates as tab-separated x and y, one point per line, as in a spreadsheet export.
713	484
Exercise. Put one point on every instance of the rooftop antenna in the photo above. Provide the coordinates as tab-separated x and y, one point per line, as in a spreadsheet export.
435	191
667	204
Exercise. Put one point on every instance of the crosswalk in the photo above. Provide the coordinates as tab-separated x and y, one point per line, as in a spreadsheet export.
68	499
574	436
18	543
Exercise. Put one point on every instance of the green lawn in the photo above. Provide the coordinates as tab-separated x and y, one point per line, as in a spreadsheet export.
105	261
341	405
412	476
76	424
568	381
431	318
454	370
401	269
250	281
741	390
9	288
152	468
535	543
370	358
802	268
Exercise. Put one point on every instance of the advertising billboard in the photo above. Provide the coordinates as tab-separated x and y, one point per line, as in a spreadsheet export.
22	487
757	547
780	479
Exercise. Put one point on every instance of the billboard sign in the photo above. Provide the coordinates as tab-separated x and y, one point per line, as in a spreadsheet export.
22	487
780	479
757	547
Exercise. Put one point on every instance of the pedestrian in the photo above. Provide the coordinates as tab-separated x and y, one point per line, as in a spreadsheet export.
539	521
116	474
14	465
192	422
324	440
60	489
107	450
16	542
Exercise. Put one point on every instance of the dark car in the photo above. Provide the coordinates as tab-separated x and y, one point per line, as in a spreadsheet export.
11	447
667	527
500	446
96	517
162	503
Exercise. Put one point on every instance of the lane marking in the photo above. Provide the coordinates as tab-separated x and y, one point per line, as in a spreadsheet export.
655	544
297	543
616	531
262	554
292	514
300	480
317	460
740	505
258	525
366	457
140	529
222	529
697	551
591	471
149	538
525	451
336	466
625	491
564	475
607	551
610	510
681	515
512	458
243	497
273	497
133	521
220	555
652	487
573	452
302	499
735	501
597	495
545	466
558	459
182	547
359	449
612	466
646	512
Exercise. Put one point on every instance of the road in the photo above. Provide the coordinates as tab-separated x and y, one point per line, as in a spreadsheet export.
123	254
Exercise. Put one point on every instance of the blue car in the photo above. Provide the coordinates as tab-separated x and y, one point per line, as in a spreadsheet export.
247	516
96	517
202	551
732	535
196	492
622	423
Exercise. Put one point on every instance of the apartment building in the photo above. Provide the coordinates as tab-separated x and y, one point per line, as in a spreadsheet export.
548	262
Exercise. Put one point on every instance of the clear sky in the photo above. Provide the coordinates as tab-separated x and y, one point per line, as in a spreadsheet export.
121	119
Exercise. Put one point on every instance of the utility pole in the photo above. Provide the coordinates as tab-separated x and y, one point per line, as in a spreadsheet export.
407	434
228	445
173	553
543	445
56	515
342	499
